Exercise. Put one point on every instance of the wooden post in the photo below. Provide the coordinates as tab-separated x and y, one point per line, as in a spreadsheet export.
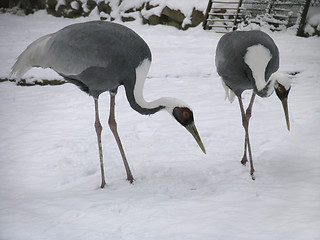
303	18
204	25
236	16
270	6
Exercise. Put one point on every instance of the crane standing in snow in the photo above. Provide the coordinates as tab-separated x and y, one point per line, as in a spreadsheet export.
250	60
100	56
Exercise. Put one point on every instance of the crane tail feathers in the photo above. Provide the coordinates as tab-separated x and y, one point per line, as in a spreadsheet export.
229	93
32	56
19	69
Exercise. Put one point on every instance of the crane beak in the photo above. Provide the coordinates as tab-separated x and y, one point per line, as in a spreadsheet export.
282	94
286	112
193	130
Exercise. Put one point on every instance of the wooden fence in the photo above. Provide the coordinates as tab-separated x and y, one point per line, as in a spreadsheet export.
224	16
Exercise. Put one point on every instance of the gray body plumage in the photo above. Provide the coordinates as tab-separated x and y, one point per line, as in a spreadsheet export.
100	56
250	60
96	56
230	63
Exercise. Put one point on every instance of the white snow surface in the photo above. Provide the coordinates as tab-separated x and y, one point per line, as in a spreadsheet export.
49	161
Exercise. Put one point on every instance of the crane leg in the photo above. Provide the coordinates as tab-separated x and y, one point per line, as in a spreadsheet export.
98	127
248	115
245	123
113	126
244	159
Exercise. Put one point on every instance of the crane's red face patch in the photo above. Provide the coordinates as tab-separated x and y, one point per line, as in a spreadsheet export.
183	115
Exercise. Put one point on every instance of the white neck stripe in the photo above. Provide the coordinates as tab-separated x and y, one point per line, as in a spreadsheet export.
257	58
167	102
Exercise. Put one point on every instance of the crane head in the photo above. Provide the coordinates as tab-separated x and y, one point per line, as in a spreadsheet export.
185	117
282	88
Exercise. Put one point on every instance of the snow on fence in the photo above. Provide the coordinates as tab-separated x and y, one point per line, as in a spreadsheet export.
227	15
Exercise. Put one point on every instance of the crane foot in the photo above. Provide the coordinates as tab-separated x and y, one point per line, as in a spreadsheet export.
103	184
244	160
252	176
130	179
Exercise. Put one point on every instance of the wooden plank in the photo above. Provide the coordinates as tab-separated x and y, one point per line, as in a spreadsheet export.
255	9
256	3
281	9
214	26
222	14
226	8
226	2
287	3
280	16
274	4
223	20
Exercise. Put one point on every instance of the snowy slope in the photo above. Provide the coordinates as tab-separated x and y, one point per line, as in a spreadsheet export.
49	159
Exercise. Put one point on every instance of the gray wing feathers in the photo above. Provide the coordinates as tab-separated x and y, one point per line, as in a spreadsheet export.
101	55
70	53
33	56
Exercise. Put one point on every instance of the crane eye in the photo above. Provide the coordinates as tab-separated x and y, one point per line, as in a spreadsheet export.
280	88
281	91
183	115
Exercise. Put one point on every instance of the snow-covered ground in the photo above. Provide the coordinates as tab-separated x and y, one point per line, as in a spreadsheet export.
49	167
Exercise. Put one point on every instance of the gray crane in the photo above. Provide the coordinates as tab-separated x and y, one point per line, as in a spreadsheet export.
250	60
100	56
